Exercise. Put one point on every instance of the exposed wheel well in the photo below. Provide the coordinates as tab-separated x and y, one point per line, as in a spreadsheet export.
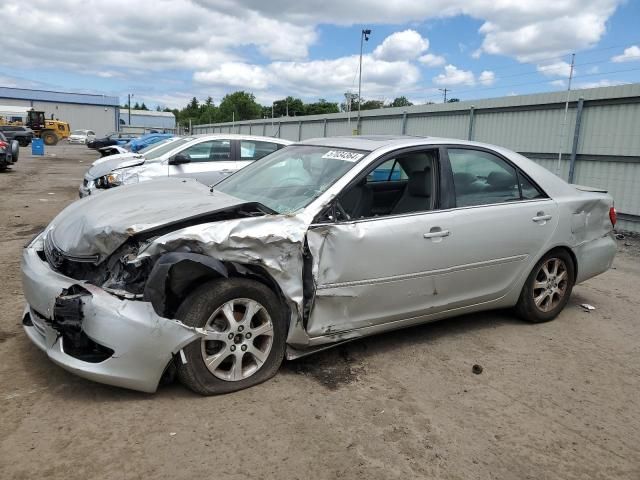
177	293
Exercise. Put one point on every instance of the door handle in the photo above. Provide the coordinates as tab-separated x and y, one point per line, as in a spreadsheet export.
541	217
436	233
226	170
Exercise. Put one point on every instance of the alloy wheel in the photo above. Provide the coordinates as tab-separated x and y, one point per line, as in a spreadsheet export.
239	337
550	284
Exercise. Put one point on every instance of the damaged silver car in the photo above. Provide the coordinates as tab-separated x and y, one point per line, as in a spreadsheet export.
322	242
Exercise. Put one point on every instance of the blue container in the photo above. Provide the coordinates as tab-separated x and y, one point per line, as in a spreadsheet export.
37	146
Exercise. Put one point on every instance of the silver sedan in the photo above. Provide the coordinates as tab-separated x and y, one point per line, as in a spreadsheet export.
321	242
207	158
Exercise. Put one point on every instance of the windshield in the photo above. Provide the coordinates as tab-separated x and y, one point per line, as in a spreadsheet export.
291	178
165	148
79	132
153	146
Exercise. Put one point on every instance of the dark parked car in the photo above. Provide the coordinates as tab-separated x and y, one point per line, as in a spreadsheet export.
23	135
116	138
9	150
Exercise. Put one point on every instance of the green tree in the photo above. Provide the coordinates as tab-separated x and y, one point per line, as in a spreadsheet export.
208	112
453	100
371	105
400	102
321	107
136	106
143	107
239	105
291	106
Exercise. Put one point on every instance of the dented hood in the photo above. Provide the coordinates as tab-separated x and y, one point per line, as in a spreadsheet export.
110	164
97	225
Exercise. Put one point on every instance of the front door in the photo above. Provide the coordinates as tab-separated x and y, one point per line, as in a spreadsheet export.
211	161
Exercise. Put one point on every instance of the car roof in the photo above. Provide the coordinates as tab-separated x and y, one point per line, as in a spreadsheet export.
237	136
365	142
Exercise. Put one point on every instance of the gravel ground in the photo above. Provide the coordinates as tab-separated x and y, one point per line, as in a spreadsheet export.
557	400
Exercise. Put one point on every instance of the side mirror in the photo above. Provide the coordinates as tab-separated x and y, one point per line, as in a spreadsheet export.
179	159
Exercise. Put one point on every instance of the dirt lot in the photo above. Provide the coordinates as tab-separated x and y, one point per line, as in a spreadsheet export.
557	400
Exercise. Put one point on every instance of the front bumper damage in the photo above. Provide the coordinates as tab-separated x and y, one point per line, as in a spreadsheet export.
95	334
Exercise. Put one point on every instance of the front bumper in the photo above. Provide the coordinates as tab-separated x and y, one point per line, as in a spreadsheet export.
80	141
143	343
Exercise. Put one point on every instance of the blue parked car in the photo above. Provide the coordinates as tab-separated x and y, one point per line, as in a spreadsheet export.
144	141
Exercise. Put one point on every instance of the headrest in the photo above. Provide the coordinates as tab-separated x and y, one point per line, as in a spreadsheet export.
463	179
419	184
501	179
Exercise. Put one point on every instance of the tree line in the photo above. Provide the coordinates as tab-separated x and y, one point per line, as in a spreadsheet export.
242	105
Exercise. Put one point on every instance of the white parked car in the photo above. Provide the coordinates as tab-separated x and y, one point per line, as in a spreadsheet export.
207	158
82	136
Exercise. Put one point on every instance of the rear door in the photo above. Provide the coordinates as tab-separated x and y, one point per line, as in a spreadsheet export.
211	161
500	224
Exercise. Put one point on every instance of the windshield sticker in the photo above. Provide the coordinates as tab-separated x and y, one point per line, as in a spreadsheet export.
343	155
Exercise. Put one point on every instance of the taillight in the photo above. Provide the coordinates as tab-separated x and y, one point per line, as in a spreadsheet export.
3	144
613	216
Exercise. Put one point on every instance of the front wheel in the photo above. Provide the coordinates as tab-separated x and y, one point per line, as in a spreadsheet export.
548	288
49	138
245	326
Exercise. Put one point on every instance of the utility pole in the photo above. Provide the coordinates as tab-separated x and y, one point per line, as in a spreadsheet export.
364	37
287	103
566	110
444	91
129	105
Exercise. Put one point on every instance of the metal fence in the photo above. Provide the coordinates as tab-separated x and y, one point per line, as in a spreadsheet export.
600	145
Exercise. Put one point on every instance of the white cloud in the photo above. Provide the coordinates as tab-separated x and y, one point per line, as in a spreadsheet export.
431	60
235	74
555	69
454	76
631	54
316	77
238	43
558	83
487	78
406	45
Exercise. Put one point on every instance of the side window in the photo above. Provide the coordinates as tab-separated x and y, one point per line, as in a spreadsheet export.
211	151
253	150
389	171
401	185
481	178
529	191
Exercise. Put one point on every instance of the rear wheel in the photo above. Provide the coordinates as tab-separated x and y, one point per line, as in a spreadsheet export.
548	287
49	138
245	329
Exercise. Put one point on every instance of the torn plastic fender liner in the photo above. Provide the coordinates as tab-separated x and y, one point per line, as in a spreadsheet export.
172	274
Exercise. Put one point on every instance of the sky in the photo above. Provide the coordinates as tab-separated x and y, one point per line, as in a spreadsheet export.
165	52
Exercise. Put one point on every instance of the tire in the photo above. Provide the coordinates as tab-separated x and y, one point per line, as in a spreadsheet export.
240	356
548	287
15	150
49	138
